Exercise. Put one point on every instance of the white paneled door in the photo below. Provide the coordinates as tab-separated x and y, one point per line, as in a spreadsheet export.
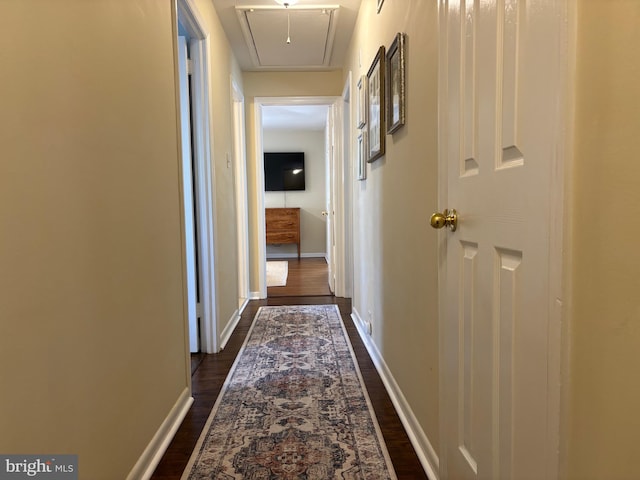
188	193
500	88
330	197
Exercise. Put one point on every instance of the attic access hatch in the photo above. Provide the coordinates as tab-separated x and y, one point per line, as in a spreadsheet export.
311	28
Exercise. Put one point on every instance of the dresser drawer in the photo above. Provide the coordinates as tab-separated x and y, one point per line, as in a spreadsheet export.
282	226
282	237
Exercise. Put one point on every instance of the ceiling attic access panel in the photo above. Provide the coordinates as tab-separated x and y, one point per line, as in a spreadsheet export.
312	32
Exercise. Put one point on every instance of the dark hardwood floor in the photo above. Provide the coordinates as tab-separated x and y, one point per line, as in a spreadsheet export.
211	371
307	277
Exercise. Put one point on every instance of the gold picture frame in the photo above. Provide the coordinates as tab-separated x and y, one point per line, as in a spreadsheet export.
395	91
376	107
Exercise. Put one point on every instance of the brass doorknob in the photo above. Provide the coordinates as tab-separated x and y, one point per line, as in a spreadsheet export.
448	218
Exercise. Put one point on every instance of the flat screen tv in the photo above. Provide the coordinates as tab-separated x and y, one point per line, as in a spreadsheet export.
283	171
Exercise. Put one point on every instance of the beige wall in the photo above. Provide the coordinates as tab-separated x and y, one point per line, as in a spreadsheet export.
276	84
604	385
395	249
312	201
224	68
92	333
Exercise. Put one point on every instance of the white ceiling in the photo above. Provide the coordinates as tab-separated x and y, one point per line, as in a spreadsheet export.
319	40
320	33
300	39
294	117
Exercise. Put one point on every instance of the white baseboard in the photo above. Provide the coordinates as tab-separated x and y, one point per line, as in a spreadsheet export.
254	296
228	330
361	323
243	306
295	255
148	461
419	440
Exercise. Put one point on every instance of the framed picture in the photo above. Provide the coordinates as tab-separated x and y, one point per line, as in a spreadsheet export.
395	91
380	2
362	102
376	111
362	152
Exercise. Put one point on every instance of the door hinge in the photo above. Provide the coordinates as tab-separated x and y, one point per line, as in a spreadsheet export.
189	66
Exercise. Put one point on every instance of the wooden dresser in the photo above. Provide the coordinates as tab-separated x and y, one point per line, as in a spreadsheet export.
283	226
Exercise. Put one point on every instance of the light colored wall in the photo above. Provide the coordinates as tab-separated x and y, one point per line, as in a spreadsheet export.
603	422
312	201
395	282
223	68
93	353
275	84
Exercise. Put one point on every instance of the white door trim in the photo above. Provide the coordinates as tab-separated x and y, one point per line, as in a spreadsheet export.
331	152
560	278
200	55
260	102
347	155
443	155
240	171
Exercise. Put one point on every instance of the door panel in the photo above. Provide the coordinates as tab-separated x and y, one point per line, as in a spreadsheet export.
187	191
330	198
466	361
500	78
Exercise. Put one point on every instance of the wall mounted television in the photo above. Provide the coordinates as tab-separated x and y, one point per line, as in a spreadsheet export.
283	171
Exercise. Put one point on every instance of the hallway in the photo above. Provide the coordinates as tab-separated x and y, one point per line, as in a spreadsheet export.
210	375
93	220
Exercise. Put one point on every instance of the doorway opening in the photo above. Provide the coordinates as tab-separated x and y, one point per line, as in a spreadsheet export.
294	139
192	55
312	132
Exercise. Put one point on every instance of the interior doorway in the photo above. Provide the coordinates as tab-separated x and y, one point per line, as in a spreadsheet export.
300	127
192	55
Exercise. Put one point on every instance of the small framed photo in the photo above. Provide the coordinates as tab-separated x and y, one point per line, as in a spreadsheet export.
362	152
380	2
361	102
376	110
395	91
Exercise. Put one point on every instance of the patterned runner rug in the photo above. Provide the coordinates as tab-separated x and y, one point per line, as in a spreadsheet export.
293	407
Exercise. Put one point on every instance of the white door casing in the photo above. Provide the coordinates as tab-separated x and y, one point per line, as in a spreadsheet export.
330	197
259	228
240	179
187	192
500	84
203	169
345	288
342	178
